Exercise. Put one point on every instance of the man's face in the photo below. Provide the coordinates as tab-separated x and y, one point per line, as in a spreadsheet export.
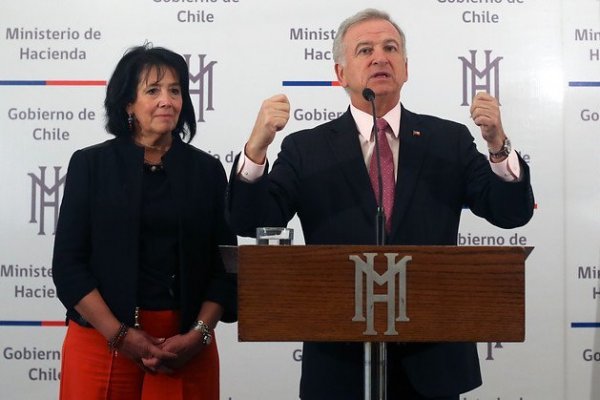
373	58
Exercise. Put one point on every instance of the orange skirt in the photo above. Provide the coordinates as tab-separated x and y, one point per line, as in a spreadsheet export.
89	371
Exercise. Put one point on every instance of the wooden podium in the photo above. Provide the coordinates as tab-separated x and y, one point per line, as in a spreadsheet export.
379	294
453	293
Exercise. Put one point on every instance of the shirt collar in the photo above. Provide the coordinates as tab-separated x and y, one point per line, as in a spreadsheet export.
364	121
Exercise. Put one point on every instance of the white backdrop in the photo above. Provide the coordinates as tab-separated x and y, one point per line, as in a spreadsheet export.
56	57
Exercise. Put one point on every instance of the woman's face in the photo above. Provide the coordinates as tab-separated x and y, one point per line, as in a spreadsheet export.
158	102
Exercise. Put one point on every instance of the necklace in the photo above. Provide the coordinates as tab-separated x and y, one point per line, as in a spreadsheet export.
149	166
163	149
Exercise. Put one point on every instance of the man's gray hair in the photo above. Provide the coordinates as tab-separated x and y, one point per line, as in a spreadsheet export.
361	16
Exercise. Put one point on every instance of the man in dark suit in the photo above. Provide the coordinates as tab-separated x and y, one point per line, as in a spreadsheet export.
322	174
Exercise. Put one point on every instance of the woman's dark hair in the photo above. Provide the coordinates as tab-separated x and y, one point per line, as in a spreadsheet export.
122	88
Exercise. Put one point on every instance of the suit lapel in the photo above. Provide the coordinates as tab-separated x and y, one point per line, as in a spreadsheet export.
130	159
413	147
177	168
345	146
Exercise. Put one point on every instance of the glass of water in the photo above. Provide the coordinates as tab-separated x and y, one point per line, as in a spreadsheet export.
274	236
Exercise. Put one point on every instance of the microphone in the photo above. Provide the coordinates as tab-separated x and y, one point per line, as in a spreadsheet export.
376	355
369	95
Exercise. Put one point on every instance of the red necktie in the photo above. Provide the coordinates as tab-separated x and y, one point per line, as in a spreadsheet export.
387	172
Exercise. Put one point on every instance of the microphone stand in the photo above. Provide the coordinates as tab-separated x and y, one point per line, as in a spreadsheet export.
375	357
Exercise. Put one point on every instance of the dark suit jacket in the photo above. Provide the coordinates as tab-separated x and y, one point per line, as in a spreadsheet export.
96	244
321	175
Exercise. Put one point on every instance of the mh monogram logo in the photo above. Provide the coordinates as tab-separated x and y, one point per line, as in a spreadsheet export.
480	79
365	268
49	197
204	81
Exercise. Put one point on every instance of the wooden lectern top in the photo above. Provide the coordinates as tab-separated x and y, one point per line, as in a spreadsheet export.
381	293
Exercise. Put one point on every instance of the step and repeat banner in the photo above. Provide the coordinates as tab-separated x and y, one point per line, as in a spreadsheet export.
540	58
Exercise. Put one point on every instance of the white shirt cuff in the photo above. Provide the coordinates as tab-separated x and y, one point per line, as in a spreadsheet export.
508	170
248	171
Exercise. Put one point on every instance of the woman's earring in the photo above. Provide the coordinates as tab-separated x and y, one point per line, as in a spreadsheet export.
130	122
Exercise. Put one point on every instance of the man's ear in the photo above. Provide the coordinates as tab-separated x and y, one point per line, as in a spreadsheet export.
339	72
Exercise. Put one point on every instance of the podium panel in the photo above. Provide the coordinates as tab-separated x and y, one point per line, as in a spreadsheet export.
381	293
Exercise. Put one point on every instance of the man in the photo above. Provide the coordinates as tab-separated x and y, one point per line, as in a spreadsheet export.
323	175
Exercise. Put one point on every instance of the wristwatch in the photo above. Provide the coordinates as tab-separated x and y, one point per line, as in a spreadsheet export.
204	330
503	152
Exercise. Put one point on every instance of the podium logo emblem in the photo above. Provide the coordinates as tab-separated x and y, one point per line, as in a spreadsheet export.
365	278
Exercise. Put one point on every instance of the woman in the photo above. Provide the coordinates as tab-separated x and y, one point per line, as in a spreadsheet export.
136	258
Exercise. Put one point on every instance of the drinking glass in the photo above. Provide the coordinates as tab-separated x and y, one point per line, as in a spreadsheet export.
274	235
